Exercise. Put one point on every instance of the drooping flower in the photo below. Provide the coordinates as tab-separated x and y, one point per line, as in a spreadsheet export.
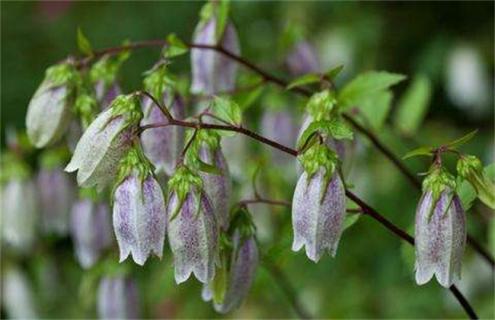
192	228
105	95
18	295
139	216
91	230
118	298
57	192
19	213
318	205
440	232
162	145
278	125
106	140
303	59
213	72
49	111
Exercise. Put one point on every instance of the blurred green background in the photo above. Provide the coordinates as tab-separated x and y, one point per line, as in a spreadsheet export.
371	276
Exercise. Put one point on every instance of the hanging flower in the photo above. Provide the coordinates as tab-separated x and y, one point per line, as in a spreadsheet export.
139	216
278	125
118	298
440	230
106	140
303	59
192	228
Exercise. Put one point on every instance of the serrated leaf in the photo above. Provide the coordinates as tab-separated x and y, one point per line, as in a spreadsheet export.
365	85
175	47
413	106
459	142
334	72
335	128
83	43
421	151
227	110
304	80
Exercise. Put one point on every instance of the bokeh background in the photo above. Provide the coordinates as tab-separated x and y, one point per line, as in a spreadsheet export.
452	44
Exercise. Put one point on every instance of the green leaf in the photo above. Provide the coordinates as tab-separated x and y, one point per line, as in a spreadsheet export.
175	47
335	128
375	109
459	142
413	106
221	19
367	84
83	43
227	110
421	151
466	193
334	72
304	80
350	219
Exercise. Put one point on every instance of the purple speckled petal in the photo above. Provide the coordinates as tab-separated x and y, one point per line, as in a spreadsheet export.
318	223
193	237
139	218
243	268
91	231
99	150
106	97
279	126
118	298
162	146
213	72
303	59
440	239
218	187
57	194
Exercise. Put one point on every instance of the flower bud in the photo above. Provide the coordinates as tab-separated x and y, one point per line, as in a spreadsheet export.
192	228
162	145
106	140
213	72
19	213
18	298
56	196
118	298
217	185
318	205
440	233
303	59
470	168
49	111
91	231
279	126
139	216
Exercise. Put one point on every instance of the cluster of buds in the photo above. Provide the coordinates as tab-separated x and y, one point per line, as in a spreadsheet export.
440	230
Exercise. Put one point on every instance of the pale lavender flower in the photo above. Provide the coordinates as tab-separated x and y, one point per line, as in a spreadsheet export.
139	217
303	59
279	126
193	236
218	187
104	143
19	213
18	295
213	72
91	231
57	193
106	94
118	298
162	146
318	211
440	238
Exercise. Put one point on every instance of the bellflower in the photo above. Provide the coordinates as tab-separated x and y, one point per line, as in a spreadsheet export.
106	140
139	216
440	230
278	125
18	296
318	205
118	298
192	228
91	231
49	111
303	59
213	72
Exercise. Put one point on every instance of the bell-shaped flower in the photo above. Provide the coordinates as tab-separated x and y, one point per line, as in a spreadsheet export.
440	231
213	72
49	111
105	94
318	205
105	142
19	213
91	230
139	217
18	299
162	145
57	194
303	59
118	298
192	228
278	125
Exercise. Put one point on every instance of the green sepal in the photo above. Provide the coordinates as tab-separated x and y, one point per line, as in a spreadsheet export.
62	74
438	181
319	156
470	168
335	128
321	105
107	68
241	222
175	47
128	106
334	72
83	43
211	139
421	151
182	182
134	162
158	80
